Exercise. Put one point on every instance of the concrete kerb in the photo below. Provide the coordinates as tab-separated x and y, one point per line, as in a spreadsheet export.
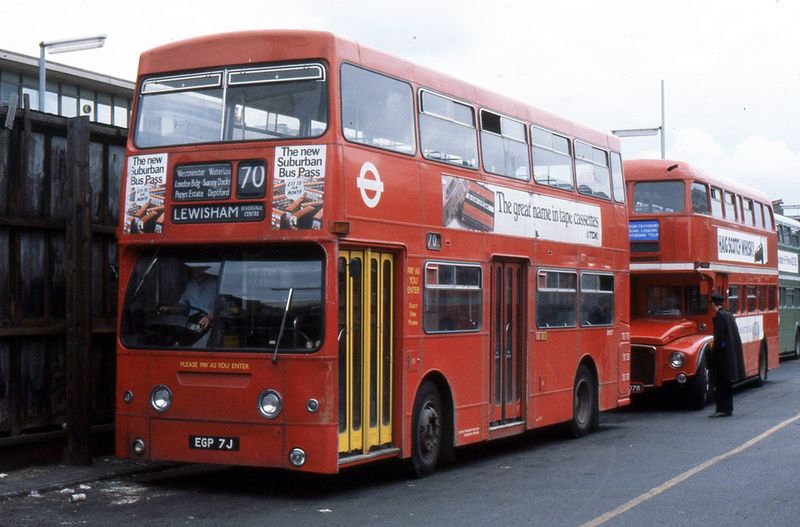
41	479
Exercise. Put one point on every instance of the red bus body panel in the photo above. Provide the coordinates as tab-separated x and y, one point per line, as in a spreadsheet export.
215	394
691	251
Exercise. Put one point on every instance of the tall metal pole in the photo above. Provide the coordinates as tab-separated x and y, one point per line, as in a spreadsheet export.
663	123
41	76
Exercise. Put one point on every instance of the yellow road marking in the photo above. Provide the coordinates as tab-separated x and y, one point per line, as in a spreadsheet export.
682	477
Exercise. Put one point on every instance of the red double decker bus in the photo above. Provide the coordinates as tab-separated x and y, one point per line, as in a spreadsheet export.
329	255
692	234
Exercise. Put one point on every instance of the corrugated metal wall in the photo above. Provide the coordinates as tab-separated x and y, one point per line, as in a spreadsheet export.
58	214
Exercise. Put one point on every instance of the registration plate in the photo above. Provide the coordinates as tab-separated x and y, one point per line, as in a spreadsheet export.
230	444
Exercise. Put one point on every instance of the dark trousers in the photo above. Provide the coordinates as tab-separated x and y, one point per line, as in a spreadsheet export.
723	396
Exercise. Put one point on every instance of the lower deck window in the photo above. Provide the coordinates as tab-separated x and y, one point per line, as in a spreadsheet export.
556	299
453	298
597	299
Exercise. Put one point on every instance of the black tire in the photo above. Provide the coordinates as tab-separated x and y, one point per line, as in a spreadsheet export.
584	403
426	435
763	365
700	385
797	345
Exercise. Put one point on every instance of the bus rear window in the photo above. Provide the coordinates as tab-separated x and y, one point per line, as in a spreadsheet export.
259	103
658	197
206	299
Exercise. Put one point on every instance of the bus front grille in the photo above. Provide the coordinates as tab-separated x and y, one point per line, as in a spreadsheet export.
643	364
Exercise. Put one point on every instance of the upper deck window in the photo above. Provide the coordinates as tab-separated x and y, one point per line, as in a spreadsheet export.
552	159
243	104
730	206
747	206
700	198
447	130
504	146
716	202
759	210
658	197
377	110
616	177
591	171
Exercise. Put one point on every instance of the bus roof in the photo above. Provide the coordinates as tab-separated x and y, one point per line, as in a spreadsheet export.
663	169
787	221
260	46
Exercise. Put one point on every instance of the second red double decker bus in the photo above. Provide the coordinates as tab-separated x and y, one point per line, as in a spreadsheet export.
330	255
692	234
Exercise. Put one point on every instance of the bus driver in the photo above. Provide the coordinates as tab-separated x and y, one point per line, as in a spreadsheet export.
199	294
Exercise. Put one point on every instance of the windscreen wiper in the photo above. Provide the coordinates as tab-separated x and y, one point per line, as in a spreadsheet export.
283	325
149	268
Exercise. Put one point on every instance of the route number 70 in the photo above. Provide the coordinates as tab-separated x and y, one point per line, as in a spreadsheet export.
251	179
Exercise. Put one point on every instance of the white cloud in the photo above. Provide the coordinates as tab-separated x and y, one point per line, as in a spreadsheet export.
730	66
759	162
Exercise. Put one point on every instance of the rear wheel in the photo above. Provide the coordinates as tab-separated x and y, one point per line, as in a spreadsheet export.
584	403
797	345
426	438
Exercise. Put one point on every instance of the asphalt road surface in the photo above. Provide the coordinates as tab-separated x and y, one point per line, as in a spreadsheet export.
650	464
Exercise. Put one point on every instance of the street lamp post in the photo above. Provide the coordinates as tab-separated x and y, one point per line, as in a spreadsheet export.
63	46
640	132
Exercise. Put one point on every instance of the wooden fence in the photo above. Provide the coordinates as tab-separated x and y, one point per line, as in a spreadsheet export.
59	204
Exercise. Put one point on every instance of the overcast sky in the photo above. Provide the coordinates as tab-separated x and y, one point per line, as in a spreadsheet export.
731	67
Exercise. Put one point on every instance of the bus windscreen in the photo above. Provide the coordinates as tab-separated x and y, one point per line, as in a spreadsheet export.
261	103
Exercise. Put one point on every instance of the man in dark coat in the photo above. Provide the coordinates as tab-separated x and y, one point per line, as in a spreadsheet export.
727	357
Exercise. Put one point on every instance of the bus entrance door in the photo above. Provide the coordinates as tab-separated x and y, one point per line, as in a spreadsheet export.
508	342
366	346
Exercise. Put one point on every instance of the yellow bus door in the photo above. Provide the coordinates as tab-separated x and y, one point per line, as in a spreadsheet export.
366	348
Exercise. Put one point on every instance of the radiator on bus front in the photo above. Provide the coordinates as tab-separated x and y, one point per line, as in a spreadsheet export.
643	364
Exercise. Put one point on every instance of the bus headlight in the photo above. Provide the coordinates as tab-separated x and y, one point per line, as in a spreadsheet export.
676	360
269	404
161	398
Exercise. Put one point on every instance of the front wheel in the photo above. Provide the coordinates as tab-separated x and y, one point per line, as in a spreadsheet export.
426	438
762	365
584	403
699	386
